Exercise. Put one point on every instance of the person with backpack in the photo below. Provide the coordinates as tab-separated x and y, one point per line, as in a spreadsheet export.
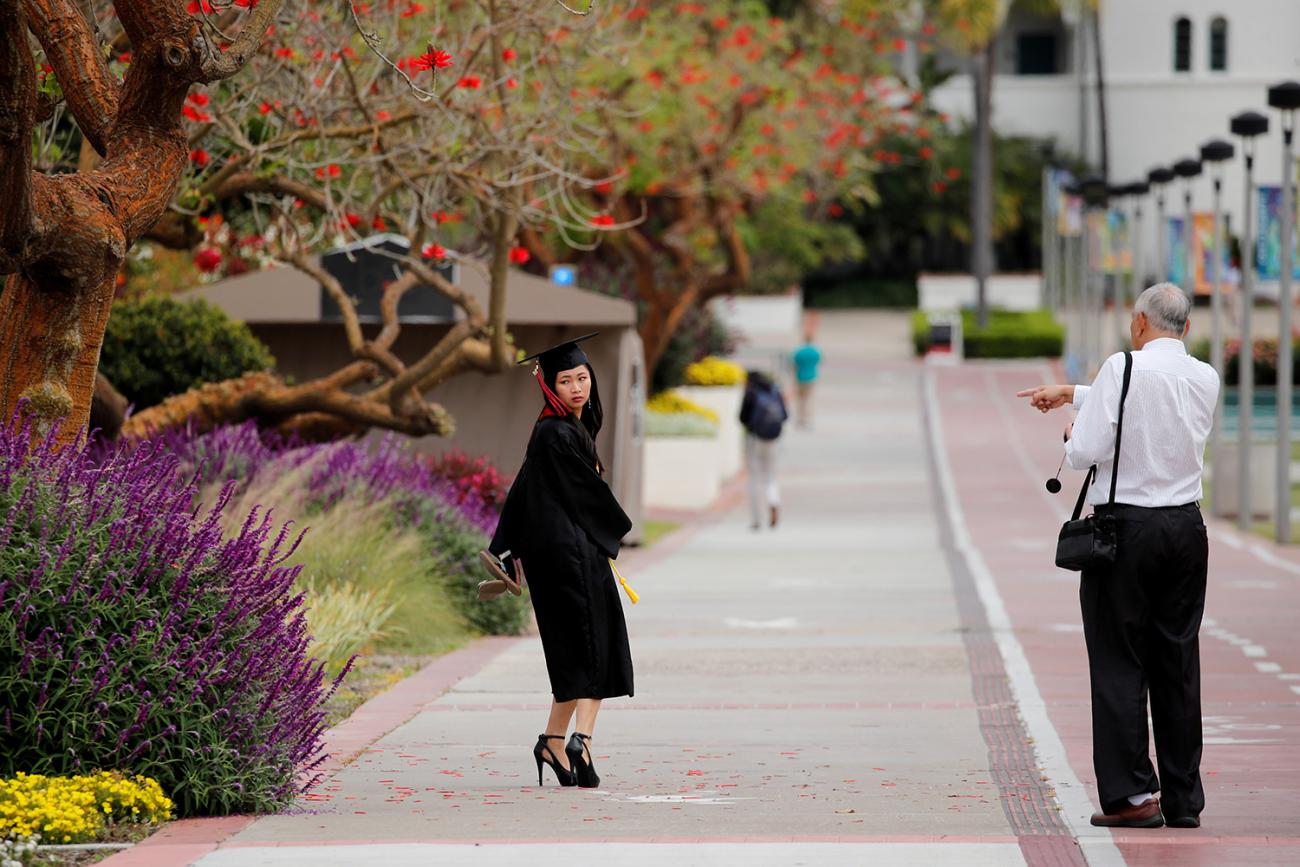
762	412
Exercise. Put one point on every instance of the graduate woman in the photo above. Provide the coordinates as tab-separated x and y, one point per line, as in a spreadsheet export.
561	526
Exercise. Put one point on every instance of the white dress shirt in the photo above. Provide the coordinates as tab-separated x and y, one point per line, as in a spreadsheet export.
1167	419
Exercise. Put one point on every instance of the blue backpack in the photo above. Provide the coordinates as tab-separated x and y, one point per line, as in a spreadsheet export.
767	414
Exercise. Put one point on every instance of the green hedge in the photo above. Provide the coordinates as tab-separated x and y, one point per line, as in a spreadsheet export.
156	346
1010	334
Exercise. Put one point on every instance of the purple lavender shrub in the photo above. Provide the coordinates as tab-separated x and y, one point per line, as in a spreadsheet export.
457	522
136	636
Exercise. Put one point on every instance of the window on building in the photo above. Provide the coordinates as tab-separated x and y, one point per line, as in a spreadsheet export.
1183	45
1036	54
1219	44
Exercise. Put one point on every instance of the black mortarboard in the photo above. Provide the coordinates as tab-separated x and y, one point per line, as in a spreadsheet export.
564	356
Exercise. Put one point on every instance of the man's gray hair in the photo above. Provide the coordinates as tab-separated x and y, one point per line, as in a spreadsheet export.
1166	307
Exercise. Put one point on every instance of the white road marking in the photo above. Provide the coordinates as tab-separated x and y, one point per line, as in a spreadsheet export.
1254	650
1076	806
779	623
1268	667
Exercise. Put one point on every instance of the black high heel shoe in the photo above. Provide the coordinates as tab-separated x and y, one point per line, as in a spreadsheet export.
563	775
583	769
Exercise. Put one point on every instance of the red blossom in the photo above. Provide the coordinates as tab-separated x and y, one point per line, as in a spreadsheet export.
434	251
284	52
953	173
195	6
264	108
378	224
836	210
926	152
602	220
412	10
636	13
207	260
519	255
940	186
470	82
352	219
195	115
198	98
508	55
332	170
431	59
199	157
604	187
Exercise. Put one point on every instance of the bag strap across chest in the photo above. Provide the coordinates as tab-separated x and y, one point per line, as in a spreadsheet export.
1119	434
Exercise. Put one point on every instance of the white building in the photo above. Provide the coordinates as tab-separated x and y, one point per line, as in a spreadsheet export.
1175	72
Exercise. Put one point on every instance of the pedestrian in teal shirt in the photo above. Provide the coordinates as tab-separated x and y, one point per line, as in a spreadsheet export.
806	358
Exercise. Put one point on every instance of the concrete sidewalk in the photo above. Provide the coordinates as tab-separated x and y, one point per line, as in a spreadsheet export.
803	695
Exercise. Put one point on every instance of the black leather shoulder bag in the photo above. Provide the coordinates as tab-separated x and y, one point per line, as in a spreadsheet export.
1091	541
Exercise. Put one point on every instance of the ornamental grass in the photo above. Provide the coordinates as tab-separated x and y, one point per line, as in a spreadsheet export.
138	634
77	809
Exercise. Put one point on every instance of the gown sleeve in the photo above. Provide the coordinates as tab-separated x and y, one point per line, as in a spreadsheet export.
586	498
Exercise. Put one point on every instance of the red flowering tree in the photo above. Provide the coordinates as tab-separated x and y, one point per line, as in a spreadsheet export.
720	114
423	119
64	236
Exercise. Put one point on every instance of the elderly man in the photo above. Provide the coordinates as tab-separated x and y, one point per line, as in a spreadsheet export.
1141	614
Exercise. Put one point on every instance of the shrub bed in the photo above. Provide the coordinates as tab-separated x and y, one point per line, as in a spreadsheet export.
1009	334
136	633
1265	359
714	371
672	403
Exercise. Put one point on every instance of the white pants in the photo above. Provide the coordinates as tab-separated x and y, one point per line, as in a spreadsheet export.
760	458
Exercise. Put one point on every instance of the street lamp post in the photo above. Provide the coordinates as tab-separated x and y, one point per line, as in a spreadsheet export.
1095	195
1158	177
1248	125
1286	98
1188	169
1074	280
1137	190
1215	153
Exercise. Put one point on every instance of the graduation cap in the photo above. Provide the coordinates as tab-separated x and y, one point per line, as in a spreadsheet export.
563	356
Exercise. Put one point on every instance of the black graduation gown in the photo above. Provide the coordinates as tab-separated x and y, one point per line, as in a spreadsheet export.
563	522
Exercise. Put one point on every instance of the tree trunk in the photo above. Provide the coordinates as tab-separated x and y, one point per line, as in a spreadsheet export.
658	325
1102	133
52	340
982	179
107	409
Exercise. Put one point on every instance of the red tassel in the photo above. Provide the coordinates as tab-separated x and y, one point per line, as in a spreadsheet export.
554	406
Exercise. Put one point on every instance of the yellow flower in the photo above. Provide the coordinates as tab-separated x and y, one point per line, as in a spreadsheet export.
672	402
714	371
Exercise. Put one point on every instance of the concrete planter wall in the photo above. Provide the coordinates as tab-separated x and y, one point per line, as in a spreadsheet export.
680	472
725	401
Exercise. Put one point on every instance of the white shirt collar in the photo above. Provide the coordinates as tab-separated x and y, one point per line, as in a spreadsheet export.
1166	344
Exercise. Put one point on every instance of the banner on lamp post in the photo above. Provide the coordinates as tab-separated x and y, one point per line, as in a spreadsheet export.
1176	257
1268	238
1203	253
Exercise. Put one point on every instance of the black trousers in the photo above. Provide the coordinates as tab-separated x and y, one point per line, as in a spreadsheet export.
1141	619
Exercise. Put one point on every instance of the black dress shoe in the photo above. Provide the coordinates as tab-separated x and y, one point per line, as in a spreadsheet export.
1183	822
1144	815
